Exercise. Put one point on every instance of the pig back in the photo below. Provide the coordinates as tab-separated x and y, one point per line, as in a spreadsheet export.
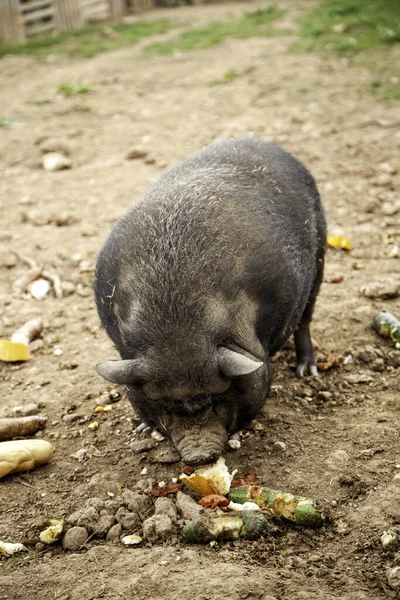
237	220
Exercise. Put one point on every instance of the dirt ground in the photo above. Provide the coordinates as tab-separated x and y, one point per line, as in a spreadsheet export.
341	431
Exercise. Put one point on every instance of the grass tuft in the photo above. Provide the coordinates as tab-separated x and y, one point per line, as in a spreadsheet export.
253	24
349	26
88	41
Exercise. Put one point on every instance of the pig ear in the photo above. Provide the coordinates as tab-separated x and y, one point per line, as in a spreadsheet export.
121	371
234	364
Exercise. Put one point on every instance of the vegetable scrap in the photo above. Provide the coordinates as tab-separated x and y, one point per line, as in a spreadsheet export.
226	526
280	504
213	501
132	540
15	427
338	241
388	326
53	529
23	455
209	479
17	349
8	549
169	488
331	361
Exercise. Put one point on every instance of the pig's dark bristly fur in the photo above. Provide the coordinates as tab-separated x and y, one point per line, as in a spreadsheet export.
225	249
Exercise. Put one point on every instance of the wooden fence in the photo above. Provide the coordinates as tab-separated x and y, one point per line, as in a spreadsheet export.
21	19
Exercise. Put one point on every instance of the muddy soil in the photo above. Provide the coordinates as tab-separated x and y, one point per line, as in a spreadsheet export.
340	432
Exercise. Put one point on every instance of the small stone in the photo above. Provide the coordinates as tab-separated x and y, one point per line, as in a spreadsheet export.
39	547
27	410
354	378
382	289
143	445
158	527
97	503
303	402
325	396
165	506
389	209
39	288
111	506
80	455
135	502
68	288
279	446
188	507
54	161
57	352
127	519
167	455
136	152
83	517
75	538
71	418
387	168
54	145
114	532
393	578
104	523
337	459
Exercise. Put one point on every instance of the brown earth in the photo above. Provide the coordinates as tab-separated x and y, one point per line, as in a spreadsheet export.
341	431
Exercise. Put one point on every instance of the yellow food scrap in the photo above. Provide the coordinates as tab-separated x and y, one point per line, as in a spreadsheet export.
13	351
209	479
338	241
93	425
105	408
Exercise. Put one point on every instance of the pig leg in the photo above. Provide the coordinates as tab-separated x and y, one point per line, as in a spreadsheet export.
302	338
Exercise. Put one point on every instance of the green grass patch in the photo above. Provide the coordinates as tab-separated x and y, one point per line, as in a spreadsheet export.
253	24
38	101
5	122
386	90
226	77
349	26
88	41
73	89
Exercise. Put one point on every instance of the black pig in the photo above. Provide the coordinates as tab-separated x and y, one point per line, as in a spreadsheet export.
203	280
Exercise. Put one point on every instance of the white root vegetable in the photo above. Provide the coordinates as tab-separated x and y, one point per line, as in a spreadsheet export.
9	549
23	455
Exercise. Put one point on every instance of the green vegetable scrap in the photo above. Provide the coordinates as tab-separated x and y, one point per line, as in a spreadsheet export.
280	504
387	325
226	526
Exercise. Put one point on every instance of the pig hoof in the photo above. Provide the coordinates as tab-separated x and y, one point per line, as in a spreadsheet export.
302	368
195	460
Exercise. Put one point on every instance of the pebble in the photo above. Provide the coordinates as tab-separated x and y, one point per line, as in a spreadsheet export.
393	578
127	519
57	145
188	508
143	445
83	517
26	411
135	502
279	446
165	506
114	532
75	538
387	168
158	527
354	378
136	152
54	161
104	523
382	289
132	540
39	289
390	208
337	459
167	455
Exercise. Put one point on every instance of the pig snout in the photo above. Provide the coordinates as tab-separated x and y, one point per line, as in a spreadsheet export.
199	439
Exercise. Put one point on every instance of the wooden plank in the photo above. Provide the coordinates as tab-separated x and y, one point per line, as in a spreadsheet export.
11	27
33	5
38	28
68	15
37	15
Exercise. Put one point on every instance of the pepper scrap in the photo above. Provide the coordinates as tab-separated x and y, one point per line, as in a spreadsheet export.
388	326
280	504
